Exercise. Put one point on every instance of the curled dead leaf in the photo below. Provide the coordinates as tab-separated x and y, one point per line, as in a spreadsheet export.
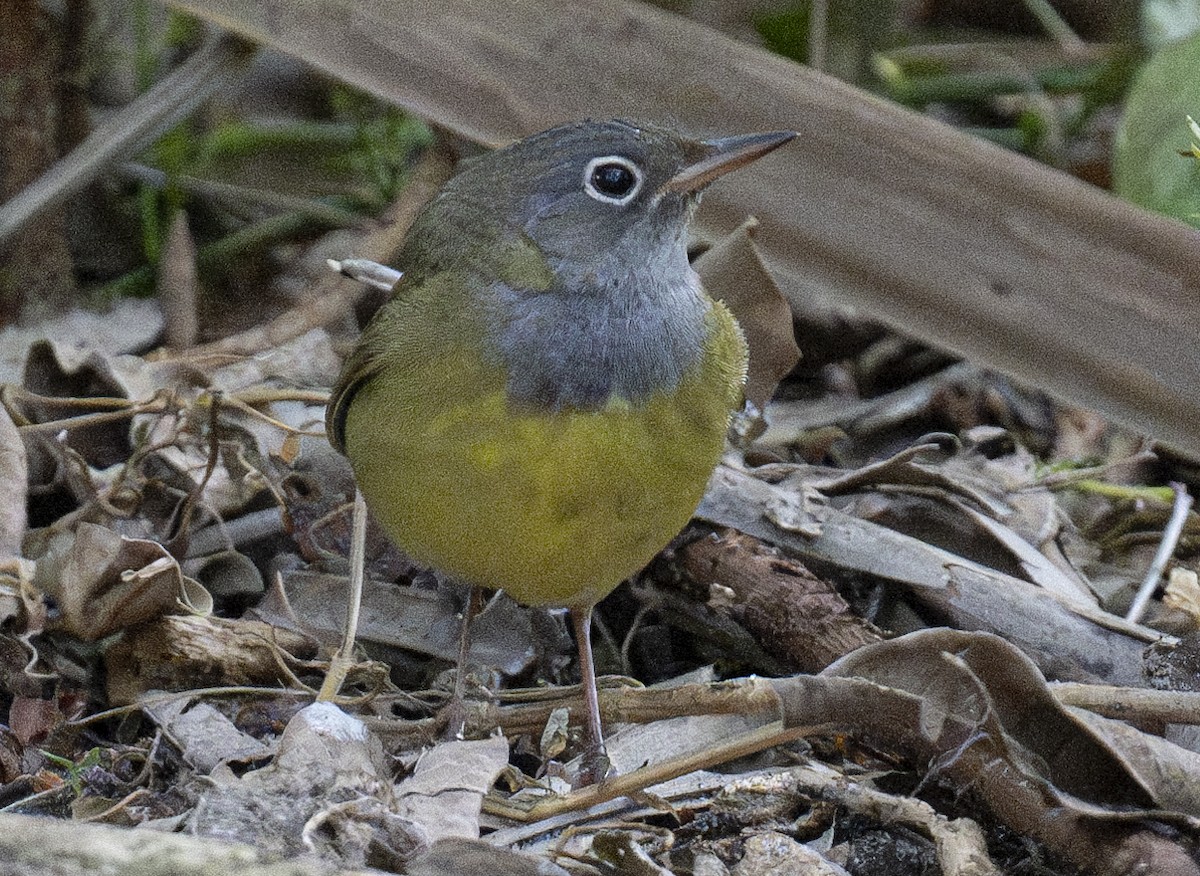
977	710
103	582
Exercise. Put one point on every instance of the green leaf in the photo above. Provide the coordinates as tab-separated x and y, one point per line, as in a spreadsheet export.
1148	168
786	33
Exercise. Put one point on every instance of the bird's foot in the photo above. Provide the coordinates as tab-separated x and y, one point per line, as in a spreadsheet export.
594	767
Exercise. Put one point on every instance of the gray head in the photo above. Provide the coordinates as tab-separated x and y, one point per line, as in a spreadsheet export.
574	242
588	190
595	194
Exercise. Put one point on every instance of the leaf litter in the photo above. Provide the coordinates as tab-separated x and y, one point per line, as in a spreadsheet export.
174	533
111	582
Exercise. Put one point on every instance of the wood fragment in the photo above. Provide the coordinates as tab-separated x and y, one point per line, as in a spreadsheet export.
179	652
797	616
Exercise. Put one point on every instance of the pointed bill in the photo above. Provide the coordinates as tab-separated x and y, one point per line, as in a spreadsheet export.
724	155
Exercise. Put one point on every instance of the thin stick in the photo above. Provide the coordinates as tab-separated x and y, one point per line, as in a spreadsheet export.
741	745
153	406
1131	704
343	658
456	710
1166	548
1054	24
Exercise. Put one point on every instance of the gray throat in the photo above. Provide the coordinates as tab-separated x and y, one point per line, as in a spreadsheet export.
577	347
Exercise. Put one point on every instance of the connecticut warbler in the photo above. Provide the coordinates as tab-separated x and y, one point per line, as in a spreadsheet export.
539	406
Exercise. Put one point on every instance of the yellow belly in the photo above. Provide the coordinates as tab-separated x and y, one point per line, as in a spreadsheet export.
555	508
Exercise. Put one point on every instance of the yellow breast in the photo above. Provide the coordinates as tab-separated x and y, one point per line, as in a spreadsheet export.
557	508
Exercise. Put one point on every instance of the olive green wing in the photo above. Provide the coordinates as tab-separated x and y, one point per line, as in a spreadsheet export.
425	316
366	361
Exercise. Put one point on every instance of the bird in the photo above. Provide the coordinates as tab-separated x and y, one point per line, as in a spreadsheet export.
540	404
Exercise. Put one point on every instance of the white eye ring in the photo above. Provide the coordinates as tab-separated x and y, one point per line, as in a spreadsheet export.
590	179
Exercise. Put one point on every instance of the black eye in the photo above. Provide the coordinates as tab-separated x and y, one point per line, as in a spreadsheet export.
612	178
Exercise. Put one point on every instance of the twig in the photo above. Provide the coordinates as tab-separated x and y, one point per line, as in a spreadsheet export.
1132	704
1166	548
752	742
152	406
818	33
343	658
1054	24
236	197
194	693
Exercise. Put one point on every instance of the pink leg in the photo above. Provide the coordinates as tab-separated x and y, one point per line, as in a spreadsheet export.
595	760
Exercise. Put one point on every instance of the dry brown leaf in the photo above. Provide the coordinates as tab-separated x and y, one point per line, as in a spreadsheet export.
227	575
983	681
637	745
33	719
876	205
1170	772
203	735
103	582
131	324
733	271
1183	595
977	711
423	621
